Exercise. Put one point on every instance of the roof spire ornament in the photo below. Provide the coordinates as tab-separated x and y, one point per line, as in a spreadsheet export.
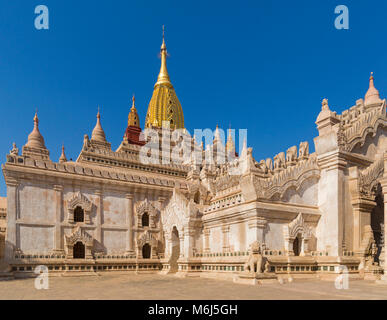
133	119
35	139
164	107
98	134
372	95
217	137
324	104
62	157
163	77
230	146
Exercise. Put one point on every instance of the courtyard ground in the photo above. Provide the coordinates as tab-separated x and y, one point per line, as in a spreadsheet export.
153	286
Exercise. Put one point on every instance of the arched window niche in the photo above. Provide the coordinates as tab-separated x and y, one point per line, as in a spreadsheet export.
145	219
146	215
297	235
79	209
79	214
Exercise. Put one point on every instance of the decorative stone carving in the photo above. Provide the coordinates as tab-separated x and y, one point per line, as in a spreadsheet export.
360	123
14	150
292	176
79	200
147	237
147	207
291	155
79	235
254	263
279	161
292	230
269	164
369	178
226	182
342	139
86	142
303	151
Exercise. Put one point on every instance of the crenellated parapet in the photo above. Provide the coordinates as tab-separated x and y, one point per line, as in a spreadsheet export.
284	160
291	176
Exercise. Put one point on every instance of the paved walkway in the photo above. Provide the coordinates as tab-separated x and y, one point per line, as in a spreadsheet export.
152	286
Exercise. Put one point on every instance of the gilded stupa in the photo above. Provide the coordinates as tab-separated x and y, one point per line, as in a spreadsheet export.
164	104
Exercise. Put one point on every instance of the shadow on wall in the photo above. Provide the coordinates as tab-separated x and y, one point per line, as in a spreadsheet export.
7	254
175	250
99	247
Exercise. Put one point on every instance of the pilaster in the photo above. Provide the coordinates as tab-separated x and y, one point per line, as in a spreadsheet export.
58	238
12	217
99	218
129	222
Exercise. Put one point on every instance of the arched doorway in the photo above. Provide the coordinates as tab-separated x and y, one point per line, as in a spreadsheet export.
79	250
79	214
175	250
297	245
146	251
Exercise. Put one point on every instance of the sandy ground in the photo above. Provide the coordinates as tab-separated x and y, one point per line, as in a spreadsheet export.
153	286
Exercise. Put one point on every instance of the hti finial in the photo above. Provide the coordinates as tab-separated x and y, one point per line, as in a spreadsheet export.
163	31
133	101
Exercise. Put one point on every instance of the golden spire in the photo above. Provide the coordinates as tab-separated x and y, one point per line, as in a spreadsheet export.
98	134
372	95
62	157
35	139
133	119
164	105
163	77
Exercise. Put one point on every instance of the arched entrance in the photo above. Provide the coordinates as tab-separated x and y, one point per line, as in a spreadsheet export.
79	250
175	250
297	245
146	251
79	214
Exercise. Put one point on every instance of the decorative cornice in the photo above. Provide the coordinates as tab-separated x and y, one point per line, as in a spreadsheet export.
29	165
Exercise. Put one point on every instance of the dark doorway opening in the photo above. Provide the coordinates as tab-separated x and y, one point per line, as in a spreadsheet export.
79	250
175	254
78	214
297	245
145	220
146	251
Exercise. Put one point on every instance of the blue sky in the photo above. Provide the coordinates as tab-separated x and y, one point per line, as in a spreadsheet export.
260	65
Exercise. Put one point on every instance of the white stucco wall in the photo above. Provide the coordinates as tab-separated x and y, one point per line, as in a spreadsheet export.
238	236
114	209
34	239
114	241
36	203
274	238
